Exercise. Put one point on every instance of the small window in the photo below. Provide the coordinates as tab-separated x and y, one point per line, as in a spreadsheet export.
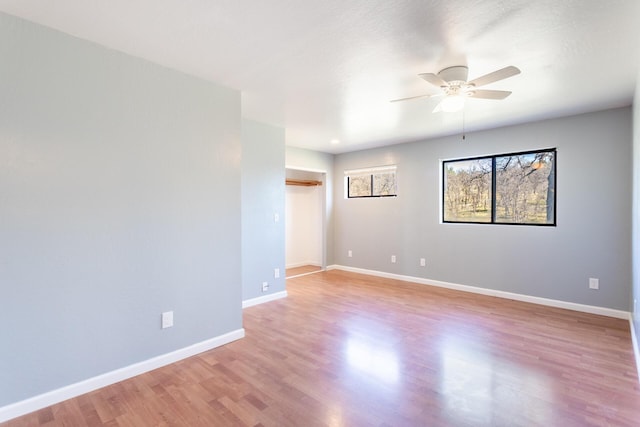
516	188
371	182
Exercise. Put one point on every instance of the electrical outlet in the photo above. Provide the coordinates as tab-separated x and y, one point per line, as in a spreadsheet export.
393	258
265	286
423	262
167	319
276	273
276	217
594	283
350	253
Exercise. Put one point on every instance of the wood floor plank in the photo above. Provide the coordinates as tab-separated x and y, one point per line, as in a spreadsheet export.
351	350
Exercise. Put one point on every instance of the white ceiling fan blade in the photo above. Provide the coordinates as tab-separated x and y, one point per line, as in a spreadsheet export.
495	76
438	108
433	79
411	97
489	94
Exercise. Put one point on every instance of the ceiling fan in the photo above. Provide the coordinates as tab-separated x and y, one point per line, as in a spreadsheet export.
455	87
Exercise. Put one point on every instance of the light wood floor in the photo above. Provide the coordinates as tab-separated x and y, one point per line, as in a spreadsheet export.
352	350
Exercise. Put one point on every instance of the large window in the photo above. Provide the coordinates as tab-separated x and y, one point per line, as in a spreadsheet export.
371	182
516	188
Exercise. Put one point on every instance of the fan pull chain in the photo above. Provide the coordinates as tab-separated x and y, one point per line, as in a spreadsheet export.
463	132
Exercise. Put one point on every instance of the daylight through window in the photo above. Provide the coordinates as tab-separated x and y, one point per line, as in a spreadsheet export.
516	188
371	182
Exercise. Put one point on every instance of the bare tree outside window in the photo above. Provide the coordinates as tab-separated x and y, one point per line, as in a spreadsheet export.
514	188
384	184
371	182
467	195
360	186
523	191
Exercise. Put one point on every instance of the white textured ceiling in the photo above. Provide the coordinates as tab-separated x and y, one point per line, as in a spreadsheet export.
327	69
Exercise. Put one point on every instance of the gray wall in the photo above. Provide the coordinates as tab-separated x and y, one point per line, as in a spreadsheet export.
119	199
300	158
636	213
592	238
263	196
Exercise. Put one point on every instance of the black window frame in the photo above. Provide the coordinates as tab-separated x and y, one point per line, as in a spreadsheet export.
493	158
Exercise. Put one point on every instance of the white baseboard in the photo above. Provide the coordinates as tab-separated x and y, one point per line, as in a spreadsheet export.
302	264
634	343
609	312
263	299
306	274
55	396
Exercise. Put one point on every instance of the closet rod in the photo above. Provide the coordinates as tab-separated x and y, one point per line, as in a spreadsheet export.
303	182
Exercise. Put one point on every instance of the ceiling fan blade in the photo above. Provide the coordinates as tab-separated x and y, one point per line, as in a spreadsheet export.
489	94
495	76
438	108
433	79
411	97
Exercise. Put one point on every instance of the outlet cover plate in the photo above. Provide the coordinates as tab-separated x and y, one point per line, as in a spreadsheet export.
167	319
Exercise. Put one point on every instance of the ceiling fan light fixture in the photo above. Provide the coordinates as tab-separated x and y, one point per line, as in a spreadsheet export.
452	103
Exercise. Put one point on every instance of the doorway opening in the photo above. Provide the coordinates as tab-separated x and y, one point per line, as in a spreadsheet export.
304	222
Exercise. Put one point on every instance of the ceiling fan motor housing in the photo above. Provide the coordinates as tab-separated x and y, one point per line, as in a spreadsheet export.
454	75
